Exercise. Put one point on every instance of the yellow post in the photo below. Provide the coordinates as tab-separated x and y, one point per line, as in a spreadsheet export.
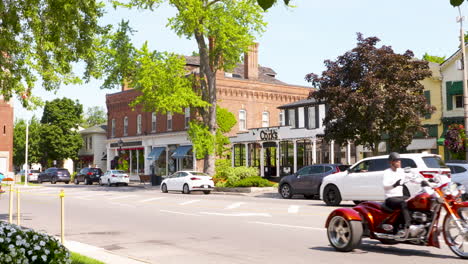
10	211
62	228
18	211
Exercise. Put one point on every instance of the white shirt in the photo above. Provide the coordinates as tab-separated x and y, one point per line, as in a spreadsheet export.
389	178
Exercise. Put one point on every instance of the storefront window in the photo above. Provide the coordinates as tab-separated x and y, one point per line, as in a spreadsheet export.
239	155
172	161
304	153
286	157
254	155
187	162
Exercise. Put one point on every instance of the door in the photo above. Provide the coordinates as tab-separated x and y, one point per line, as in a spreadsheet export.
270	161
297	183
353	184
180	180
310	181
374	183
171	181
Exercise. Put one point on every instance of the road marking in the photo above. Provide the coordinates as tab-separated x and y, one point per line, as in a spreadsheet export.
122	197
189	202
293	209
238	214
234	205
152	199
291	226
172	212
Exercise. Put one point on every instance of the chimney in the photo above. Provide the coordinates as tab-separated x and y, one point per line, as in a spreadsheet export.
251	63
125	86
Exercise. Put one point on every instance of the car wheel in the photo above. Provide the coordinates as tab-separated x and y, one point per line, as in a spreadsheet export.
164	188
109	183
67	182
286	191
206	192
86	182
100	182
186	189
76	181
331	195
39	180
53	180
125	184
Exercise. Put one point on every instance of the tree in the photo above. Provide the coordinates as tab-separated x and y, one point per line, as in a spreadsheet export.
266	4
432	58
223	30
43	39
19	142
372	91
456	3
455	141
59	133
94	116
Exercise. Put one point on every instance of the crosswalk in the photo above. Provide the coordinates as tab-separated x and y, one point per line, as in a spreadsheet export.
207	205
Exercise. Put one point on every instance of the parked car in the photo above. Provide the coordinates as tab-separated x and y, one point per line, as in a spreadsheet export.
363	181
114	177
54	175
188	181
307	180
32	175
459	171
88	176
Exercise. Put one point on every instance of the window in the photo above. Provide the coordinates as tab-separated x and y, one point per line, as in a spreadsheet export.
242	120
153	122
169	121
281	118
4	129
187	117
113	128
292	118
458	101
408	163
90	142
361	167
301	120
265	119
434	162
125	126
379	165
303	171
317	169
312	123
139	124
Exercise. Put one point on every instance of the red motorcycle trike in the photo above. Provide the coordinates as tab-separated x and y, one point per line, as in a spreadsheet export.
347	226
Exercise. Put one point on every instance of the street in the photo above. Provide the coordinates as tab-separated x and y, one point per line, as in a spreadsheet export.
174	228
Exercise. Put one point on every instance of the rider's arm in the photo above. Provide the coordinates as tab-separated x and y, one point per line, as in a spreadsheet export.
388	181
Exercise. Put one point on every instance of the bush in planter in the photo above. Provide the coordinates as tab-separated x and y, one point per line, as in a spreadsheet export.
255	181
18	245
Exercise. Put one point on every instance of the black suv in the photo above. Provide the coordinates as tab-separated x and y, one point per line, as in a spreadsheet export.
54	175
88	176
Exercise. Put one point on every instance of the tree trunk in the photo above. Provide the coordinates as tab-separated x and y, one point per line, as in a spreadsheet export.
375	150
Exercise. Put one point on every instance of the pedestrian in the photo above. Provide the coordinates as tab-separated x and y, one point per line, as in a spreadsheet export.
2	176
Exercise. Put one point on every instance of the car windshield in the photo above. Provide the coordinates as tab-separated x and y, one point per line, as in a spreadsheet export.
199	173
34	171
119	171
96	170
434	162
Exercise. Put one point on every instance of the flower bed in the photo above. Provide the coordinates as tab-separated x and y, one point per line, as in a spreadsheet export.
19	245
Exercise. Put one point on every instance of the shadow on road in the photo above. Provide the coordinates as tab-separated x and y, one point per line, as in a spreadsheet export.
98	188
379	248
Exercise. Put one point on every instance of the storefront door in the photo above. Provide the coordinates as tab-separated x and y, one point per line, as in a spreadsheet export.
270	161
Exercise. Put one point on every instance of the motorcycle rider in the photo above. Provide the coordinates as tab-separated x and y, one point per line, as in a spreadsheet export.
393	180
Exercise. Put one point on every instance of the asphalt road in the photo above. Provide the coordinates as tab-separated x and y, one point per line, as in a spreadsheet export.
175	228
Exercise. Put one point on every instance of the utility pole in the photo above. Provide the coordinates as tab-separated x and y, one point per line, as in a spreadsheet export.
26	171
460	19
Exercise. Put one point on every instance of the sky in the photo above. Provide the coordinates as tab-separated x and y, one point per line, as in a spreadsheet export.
297	40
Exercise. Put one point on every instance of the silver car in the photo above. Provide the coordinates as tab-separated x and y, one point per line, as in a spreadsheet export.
32	175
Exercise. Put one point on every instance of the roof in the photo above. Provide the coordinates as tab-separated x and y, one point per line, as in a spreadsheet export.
299	103
102	128
452	57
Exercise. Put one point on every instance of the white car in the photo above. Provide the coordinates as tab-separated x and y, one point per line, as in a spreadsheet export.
187	181
32	175
114	177
363	180
459	172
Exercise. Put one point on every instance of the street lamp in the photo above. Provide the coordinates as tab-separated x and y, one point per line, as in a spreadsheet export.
120	144
460	19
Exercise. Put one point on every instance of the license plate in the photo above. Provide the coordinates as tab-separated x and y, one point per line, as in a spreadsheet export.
205	186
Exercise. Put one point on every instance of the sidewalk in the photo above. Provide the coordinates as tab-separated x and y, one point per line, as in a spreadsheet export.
100	254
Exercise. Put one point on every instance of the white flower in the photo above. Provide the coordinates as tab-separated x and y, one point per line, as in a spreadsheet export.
44	257
35	237
42	243
11	246
34	258
30	252
47	251
36	247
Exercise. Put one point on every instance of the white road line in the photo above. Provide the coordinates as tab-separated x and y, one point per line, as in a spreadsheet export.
237	214
152	199
122	197
189	202
172	212
234	205
291	226
293	209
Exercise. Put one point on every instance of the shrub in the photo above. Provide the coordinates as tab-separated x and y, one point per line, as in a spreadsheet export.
255	181
222	169
18	245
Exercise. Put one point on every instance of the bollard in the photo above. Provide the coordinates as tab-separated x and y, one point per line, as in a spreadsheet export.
18	211
62	228
10	211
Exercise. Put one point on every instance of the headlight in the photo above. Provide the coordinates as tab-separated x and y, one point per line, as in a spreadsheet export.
451	189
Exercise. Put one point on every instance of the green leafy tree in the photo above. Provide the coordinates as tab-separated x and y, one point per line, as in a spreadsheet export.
432	58
266	4
42	39
95	115
229	24
59	132
372	91
456	3
19	142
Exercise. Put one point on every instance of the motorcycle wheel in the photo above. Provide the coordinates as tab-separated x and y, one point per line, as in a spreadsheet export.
454	238
344	235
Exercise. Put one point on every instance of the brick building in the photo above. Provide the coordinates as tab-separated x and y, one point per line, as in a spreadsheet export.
6	136
152	140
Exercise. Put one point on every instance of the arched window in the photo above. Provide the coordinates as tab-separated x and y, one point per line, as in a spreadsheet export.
265	119
125	126
242	120
153	122
169	121
113	128
139	124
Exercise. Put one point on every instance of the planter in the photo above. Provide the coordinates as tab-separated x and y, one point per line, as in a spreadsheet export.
246	189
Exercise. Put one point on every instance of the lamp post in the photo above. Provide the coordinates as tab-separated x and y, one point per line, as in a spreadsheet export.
460	19
120	144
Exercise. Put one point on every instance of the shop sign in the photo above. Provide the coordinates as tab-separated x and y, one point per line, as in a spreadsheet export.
269	134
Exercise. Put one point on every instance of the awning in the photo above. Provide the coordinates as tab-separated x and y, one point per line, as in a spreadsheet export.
155	153
181	152
423	144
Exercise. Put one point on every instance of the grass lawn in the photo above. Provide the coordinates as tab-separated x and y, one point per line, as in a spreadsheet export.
80	259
